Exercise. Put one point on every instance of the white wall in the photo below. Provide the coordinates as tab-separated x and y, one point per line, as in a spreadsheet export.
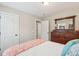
65	13
27	24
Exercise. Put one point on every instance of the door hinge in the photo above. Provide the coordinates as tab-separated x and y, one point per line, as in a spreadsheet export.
0	33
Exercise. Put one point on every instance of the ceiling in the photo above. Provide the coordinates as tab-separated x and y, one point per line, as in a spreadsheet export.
40	10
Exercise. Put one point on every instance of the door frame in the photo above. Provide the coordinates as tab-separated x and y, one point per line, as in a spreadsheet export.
37	28
49	33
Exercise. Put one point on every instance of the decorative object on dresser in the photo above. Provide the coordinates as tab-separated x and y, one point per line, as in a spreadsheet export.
64	30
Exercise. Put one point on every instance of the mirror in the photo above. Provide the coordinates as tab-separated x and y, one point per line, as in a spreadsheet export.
65	23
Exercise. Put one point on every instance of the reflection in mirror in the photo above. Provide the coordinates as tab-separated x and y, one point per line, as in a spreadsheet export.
65	23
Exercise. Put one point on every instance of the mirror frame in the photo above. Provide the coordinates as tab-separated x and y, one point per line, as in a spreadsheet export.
66	18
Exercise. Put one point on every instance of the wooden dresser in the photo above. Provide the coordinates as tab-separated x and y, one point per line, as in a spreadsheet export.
63	35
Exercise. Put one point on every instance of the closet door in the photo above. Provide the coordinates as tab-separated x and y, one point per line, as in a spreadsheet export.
9	30
0	34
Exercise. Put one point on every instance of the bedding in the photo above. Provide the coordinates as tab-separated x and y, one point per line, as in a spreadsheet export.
37	47
45	49
73	51
71	48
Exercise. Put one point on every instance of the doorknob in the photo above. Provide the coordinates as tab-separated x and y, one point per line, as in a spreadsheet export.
0	49
16	34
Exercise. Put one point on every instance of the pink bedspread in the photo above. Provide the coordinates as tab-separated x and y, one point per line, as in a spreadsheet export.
13	51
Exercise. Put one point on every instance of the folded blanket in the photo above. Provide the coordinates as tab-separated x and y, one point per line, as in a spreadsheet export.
67	49
16	49
74	50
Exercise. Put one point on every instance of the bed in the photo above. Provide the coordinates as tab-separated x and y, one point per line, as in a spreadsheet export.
37	47
45	49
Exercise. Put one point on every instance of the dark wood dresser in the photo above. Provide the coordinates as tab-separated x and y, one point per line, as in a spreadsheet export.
63	35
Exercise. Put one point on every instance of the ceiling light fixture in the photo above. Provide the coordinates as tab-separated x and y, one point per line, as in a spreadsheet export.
45	3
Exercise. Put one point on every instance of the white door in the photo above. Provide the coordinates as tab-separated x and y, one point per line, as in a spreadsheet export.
45	30
9	30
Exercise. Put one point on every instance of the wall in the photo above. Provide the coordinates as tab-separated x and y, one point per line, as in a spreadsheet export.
65	13
27	24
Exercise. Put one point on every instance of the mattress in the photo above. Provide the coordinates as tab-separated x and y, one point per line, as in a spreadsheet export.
45	49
